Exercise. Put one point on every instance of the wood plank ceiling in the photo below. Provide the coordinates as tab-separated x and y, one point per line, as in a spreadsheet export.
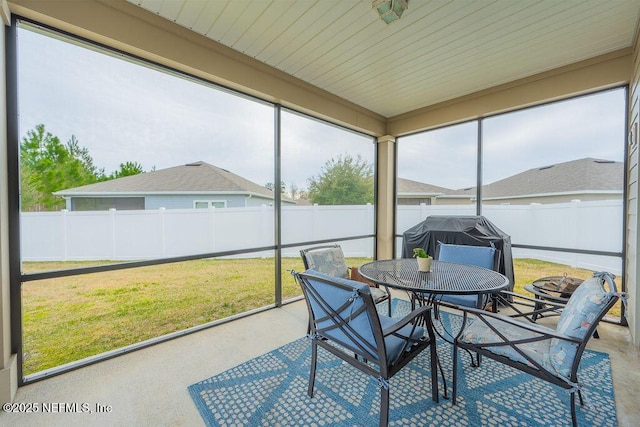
438	50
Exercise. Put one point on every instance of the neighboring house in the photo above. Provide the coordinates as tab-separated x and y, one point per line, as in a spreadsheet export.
414	193
584	179
194	185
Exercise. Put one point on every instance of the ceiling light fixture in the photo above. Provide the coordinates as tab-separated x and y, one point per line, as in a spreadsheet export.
390	10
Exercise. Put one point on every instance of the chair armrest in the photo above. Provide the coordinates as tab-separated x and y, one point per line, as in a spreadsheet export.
531	299
418	312
533	327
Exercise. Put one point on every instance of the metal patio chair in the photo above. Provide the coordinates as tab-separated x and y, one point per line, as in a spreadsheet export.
480	256
521	305
345	322
329	259
548	354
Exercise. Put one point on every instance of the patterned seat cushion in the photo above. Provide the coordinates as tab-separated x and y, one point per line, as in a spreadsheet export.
477	332
328	261
583	308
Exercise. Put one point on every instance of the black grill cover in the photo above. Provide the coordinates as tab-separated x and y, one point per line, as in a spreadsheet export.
460	230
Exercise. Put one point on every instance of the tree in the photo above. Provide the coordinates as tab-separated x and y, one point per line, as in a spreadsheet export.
82	154
127	169
29	194
47	166
294	191
343	181
269	185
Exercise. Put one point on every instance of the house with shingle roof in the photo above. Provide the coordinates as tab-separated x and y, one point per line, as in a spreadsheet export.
585	179
193	185
411	192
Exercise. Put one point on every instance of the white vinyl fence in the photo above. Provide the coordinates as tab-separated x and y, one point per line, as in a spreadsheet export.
146	234
137	235
595	226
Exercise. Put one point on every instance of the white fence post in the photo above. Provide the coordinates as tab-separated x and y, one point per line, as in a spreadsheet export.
423	211
575	229
533	221
112	222
65	237
314	221
264	226
212	216
163	232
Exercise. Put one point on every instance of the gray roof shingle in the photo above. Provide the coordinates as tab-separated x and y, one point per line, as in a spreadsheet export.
583	175
197	177
408	187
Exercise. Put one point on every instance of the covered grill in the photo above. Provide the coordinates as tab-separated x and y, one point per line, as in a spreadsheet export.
460	230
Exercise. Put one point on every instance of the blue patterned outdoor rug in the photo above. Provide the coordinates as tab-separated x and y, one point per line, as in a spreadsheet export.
271	390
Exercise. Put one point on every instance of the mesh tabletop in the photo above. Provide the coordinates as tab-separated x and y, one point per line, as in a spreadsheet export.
444	277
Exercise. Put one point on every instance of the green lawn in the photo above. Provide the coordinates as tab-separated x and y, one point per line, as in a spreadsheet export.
67	319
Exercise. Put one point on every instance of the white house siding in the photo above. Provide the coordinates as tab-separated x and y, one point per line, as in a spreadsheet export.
633	192
186	201
584	197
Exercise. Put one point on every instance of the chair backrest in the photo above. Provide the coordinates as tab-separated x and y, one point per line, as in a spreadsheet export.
586	307
343	311
328	259
480	256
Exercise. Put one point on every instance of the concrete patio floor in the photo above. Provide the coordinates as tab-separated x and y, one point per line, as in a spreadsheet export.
149	387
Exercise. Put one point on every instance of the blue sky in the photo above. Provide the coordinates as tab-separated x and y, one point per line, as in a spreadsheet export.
127	112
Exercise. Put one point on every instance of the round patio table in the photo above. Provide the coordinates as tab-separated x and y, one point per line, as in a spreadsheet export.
445	278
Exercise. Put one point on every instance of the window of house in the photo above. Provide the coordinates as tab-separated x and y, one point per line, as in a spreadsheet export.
204	204
106	203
